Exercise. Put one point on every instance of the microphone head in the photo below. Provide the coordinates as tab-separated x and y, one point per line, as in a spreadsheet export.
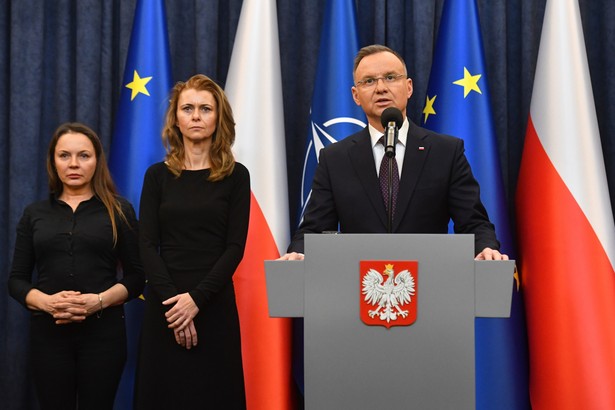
391	114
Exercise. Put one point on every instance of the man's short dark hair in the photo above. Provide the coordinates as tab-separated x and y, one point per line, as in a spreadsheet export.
373	49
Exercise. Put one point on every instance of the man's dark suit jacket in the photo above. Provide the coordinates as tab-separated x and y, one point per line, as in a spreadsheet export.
436	184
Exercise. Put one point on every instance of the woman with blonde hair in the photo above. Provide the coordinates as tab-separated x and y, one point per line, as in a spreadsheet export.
194	214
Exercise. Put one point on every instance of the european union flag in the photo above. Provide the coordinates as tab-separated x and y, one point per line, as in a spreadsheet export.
334	114
457	103
137	139
144	99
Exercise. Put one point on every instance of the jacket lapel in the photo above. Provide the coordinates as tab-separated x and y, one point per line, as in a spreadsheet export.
362	159
417	150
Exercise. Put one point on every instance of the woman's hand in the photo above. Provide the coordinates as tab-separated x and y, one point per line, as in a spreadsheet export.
77	308
186	338
180	316
67	306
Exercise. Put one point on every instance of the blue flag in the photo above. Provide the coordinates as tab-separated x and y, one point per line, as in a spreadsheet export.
334	114
458	104
137	139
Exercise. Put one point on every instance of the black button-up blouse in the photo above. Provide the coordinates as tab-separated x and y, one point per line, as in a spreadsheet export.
74	250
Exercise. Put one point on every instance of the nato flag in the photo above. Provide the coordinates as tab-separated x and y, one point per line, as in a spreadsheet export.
334	114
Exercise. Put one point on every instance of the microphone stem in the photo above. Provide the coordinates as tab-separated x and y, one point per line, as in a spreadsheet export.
390	195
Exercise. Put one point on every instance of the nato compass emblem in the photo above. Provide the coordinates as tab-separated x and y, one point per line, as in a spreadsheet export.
388	299
319	137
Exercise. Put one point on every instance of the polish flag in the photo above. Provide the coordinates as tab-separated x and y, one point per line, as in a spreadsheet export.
254	89
566	230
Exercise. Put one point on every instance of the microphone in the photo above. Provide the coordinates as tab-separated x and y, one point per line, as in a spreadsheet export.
391	119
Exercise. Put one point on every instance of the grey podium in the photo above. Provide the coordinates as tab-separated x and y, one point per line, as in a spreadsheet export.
428	364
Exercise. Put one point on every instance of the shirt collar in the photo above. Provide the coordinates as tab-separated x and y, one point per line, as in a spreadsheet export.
55	197
375	135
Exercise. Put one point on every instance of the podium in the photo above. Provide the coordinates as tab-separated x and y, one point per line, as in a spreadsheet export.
426	365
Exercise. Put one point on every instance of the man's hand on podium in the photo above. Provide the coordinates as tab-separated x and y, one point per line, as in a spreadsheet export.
293	256
489	254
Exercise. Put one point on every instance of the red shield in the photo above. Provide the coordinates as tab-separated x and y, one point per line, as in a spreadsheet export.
388	292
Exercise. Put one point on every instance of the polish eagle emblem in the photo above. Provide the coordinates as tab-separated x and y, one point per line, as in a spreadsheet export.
388	296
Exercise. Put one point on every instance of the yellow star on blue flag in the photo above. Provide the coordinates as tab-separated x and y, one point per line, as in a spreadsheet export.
469	82
429	110
137	85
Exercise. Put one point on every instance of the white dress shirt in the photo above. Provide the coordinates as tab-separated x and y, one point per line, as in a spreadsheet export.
400	147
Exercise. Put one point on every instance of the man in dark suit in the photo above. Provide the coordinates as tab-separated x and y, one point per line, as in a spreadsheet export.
435	180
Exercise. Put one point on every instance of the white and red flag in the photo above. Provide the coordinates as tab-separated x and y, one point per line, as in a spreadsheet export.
566	230
254	89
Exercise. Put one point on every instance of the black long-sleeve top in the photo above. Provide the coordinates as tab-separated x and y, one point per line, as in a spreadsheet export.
74	250
192	231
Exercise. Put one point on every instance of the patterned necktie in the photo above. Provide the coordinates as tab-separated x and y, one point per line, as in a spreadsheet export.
384	180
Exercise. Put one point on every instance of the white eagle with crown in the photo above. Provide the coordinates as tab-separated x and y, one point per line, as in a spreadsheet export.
390	295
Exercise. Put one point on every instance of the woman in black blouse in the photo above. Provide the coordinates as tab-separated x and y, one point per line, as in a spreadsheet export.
76	240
